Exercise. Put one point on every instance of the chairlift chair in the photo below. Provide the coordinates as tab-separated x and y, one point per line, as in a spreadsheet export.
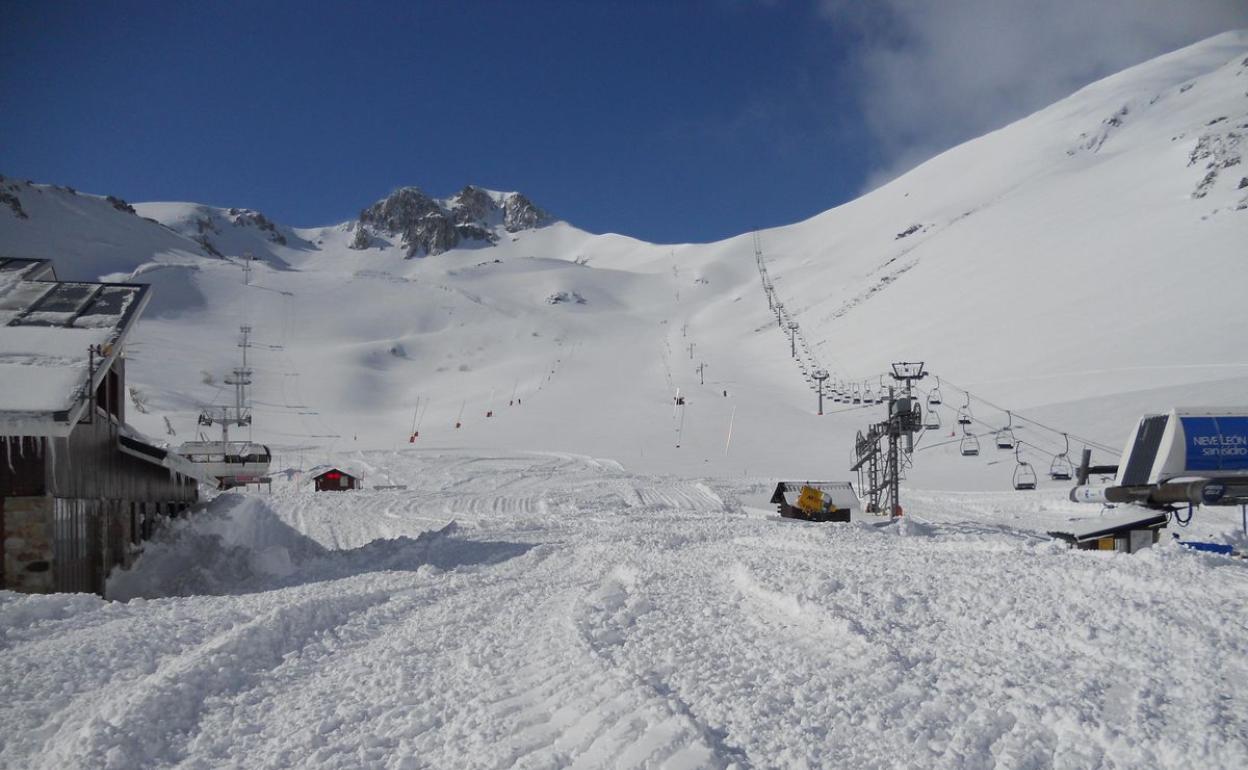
933	396
1005	436
1024	475
1061	469
969	446
964	414
932	420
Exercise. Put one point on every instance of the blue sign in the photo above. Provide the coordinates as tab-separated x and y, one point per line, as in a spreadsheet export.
1216	443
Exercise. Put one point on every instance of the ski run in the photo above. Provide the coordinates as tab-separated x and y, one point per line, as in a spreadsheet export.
544	610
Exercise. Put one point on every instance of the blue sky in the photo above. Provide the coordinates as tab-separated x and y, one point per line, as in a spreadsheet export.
665	121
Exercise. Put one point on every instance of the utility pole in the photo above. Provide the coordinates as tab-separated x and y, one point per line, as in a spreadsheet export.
247	258
793	339
820	375
702	373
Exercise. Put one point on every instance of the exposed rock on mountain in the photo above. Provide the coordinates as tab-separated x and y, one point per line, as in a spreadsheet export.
429	226
520	213
361	240
250	218
9	197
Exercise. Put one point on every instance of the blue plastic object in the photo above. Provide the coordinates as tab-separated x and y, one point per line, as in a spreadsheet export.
1220	548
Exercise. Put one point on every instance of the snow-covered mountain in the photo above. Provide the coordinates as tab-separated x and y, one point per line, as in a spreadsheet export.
87	235
1080	265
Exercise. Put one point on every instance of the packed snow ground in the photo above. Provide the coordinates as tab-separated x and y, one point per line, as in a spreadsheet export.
548	610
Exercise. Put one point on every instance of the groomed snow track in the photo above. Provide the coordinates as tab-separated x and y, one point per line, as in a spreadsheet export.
577	615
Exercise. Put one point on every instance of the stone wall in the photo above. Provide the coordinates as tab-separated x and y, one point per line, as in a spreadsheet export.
28	544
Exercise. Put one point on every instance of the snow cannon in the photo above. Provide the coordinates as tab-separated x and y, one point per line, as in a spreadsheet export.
1184	457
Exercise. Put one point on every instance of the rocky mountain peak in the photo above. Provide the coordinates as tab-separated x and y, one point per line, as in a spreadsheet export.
520	213
429	226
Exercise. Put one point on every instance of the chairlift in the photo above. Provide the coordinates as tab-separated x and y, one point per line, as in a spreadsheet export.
857	395
867	396
964	414
1005	436
1024	476
1061	469
969	446
933	396
932	420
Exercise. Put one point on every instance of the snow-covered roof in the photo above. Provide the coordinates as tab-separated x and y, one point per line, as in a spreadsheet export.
48	329
1101	526
27	269
132	442
348	468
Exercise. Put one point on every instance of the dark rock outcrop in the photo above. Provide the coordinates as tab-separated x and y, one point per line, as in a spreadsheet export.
429	226
250	218
520	213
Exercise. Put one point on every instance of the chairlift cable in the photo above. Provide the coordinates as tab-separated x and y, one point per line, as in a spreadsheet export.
1037	423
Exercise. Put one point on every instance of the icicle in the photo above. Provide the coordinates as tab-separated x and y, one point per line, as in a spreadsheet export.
52	455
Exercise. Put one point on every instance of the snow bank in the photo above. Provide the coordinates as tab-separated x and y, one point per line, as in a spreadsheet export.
239	545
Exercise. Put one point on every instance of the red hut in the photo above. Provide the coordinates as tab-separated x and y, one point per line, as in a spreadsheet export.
333	479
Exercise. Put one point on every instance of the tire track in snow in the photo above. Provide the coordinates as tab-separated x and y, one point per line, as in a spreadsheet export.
147	719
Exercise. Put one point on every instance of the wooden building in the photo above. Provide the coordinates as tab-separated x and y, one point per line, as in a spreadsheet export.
329	478
79	490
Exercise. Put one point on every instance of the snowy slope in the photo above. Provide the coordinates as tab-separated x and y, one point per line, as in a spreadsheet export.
1062	256
87	236
1075	265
